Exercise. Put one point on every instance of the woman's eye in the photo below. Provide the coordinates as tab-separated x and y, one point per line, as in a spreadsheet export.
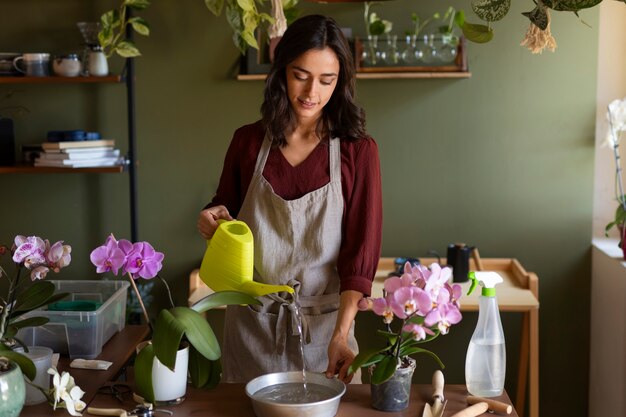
326	82
300	77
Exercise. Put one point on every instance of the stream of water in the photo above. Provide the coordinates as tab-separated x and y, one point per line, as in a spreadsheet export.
298	316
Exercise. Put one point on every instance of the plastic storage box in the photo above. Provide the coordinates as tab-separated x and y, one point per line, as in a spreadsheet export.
81	334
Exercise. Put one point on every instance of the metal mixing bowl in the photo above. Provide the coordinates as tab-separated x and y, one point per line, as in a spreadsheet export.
325	408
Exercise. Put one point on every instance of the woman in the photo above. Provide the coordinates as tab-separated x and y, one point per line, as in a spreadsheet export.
306	180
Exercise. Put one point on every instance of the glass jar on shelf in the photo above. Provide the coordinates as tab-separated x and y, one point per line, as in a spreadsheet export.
447	47
371	55
391	53
411	56
429	53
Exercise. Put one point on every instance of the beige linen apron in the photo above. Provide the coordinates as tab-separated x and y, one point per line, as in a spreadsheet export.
297	243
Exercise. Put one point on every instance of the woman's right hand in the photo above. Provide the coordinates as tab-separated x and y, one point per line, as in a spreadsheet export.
207	221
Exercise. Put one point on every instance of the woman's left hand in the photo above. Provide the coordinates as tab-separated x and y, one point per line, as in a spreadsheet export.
340	357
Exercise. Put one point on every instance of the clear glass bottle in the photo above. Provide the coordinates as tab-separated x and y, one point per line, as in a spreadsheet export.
411	56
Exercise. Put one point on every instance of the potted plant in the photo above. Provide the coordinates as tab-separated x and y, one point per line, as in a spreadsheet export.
426	306
245	17
182	339
112	35
39	257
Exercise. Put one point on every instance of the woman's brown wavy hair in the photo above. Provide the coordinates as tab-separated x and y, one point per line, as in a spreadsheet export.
341	117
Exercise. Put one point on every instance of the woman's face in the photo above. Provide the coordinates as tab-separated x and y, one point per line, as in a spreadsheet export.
311	80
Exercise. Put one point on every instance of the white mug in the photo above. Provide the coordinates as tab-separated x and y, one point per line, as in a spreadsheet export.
97	65
35	65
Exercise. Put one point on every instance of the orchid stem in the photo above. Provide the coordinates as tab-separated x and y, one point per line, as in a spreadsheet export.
167	287
618	165
143	307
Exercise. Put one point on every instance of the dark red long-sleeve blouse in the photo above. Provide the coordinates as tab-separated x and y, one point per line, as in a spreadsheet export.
361	185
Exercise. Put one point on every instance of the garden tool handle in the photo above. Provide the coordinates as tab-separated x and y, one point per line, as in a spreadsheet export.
495	406
107	411
438	383
473	410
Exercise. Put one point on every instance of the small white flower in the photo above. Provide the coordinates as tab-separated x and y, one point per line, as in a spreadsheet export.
66	393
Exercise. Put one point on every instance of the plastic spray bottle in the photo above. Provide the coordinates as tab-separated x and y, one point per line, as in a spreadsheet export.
485	365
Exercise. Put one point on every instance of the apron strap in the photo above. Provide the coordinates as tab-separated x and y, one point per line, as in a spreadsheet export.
287	312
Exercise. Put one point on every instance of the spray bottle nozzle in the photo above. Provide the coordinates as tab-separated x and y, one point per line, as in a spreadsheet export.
488	280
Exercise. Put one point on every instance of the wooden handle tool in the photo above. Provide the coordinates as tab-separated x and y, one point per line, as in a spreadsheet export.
473	410
495	406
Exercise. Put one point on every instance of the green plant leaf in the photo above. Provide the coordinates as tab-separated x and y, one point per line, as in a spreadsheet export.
127	49
30	322
105	37
491	10
477	33
26	365
459	18
214	6
204	373
168	332
199	368
198	332
143	372
246	5
414	349
377	28
384	369
137	4
367	357
140	25
39	294
110	19
223	298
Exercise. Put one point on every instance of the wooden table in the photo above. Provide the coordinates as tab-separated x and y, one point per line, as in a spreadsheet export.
118	350
518	293
230	400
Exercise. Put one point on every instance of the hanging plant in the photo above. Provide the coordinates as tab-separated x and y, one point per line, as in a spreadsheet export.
112	35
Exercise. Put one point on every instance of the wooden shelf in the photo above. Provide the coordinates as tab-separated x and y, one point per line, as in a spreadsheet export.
30	169
379	75
61	80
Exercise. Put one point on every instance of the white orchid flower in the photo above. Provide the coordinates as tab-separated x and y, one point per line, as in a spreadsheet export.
66	393
73	402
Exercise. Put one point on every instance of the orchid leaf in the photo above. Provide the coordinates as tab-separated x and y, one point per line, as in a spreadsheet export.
367	357
26	365
168	332
384	369
204	372
29	322
39	294
414	349
198	332
143	372
222	298
199	368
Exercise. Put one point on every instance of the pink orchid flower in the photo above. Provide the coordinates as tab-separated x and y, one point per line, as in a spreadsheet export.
39	272
108	257
58	255
143	261
29	250
419	331
410	300
444	316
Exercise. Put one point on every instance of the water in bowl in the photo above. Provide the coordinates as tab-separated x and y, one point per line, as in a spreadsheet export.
295	393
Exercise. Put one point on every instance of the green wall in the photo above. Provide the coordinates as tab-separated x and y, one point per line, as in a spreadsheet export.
502	160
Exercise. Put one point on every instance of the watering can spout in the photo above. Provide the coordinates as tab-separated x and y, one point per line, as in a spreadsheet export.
228	263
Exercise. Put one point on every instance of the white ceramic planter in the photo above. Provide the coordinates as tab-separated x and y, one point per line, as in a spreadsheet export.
169	387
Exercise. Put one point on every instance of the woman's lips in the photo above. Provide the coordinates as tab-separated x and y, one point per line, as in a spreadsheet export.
307	104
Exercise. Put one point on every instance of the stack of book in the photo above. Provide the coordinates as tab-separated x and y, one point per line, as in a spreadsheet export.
80	154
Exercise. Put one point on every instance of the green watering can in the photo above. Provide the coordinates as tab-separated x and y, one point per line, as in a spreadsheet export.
228	263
